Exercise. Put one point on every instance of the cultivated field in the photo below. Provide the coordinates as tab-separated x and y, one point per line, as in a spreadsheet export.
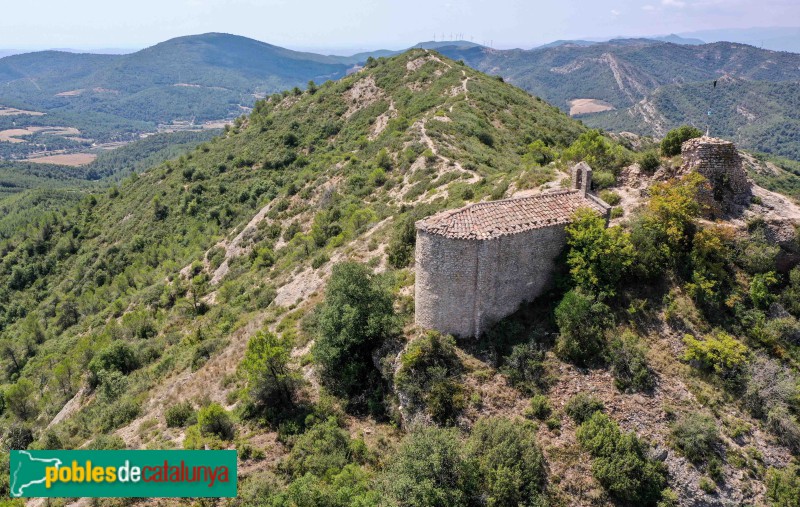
586	106
13	135
12	111
72	159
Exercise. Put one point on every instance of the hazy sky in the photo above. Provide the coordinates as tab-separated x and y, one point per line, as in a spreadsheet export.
341	25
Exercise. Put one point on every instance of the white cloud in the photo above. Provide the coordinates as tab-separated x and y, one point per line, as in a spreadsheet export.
674	3
615	12
648	7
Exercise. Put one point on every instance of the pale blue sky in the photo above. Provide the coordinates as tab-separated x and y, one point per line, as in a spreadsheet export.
350	25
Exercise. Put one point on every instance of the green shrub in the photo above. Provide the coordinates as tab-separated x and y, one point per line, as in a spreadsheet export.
711	275
119	356
384	160
355	318
669	498
377	177
671	144
581	407
603	179
761	292
661	234
119	413
539	407
610	197
783	486
553	423
486	138
628	363
649	162
509	462
697	436
319	260
756	254
50	440
525	367
400	250
262	257
20	399
107	443
213	420
292	230
272	383
791	294
111	385
179	414
707	485
649	242
620	462
598	257
501	336
538	153
351	485
257	489
325	448
581	321
430	377
430	468
600	153
18	437
720	353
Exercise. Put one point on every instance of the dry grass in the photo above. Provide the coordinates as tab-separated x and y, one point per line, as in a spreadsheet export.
12	111
12	135
72	159
70	93
586	106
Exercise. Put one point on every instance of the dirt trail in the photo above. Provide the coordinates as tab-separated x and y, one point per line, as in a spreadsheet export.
427	141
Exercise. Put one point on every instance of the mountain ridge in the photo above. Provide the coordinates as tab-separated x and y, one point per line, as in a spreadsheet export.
215	76
137	316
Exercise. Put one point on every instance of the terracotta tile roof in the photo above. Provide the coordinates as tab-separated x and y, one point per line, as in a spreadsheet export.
489	220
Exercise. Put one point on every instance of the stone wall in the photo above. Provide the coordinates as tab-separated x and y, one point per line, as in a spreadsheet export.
719	161
464	286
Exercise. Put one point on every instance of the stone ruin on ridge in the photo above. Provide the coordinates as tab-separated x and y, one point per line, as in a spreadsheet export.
719	162
475	265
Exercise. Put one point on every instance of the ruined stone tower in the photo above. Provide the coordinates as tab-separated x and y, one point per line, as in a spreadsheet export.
719	162
477	264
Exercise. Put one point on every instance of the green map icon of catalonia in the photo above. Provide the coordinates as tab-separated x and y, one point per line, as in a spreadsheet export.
27	471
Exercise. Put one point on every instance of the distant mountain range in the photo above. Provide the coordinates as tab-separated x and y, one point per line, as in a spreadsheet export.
675	39
624	71
200	78
774	38
649	87
756	114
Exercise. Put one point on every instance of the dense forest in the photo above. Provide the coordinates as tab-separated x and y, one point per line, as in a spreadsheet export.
30	190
